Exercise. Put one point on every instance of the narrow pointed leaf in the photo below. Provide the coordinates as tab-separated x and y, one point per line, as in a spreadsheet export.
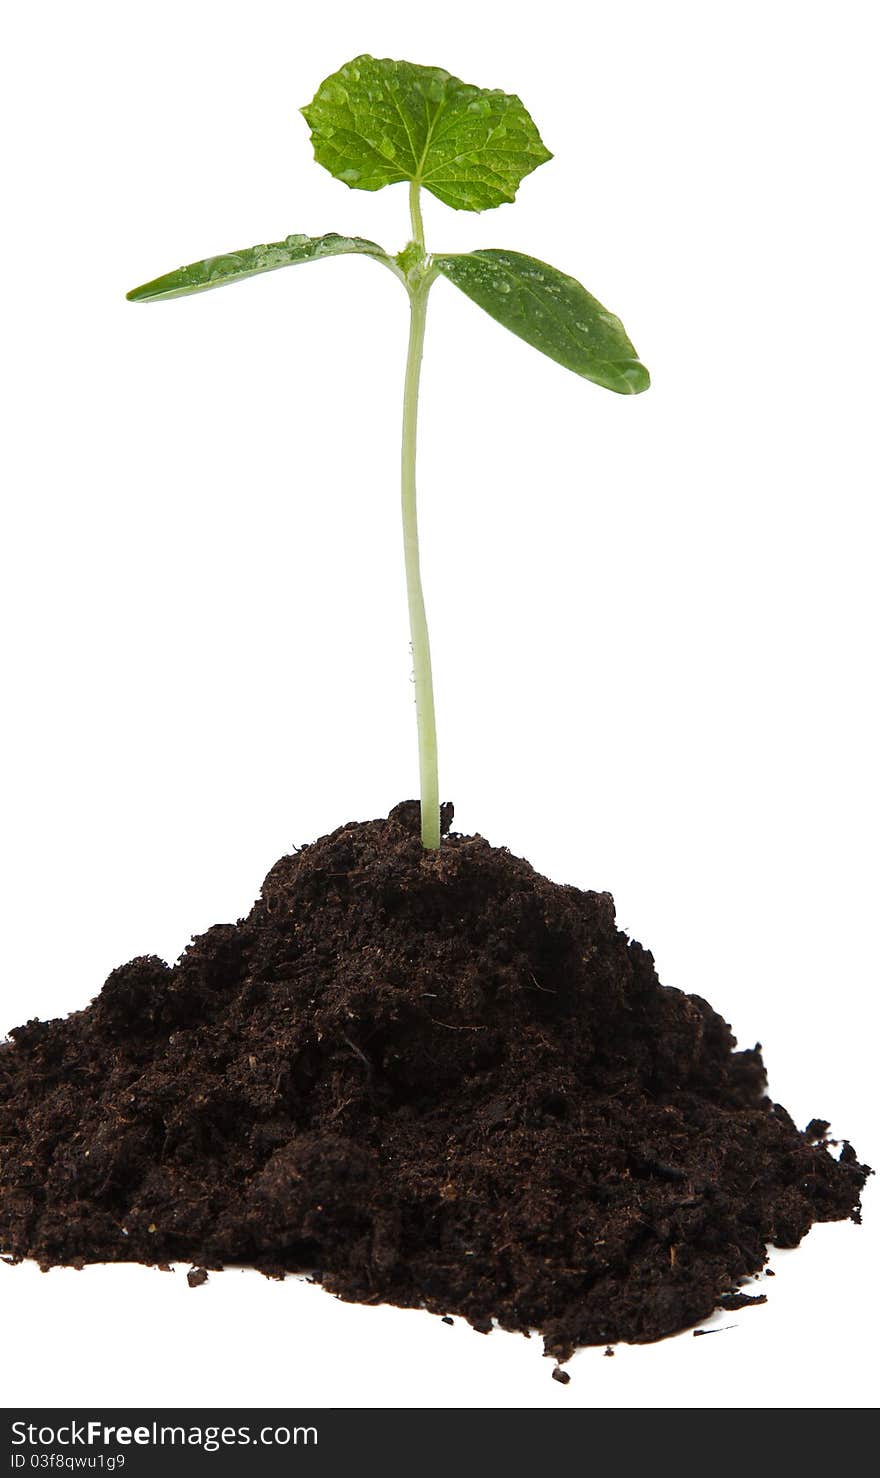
379	122
552	312
236	265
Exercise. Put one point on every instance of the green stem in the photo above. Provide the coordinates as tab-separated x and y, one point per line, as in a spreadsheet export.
421	650
415	213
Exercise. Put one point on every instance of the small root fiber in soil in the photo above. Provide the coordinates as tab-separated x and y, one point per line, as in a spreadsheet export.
431	1079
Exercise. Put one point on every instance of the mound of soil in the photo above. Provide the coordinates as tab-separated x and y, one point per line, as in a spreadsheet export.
431	1079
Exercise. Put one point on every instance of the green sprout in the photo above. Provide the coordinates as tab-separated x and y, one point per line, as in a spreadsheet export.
375	123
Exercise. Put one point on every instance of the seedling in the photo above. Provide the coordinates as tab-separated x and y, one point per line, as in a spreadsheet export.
376	123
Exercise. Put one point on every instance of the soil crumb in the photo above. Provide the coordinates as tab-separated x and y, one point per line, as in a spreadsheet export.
429	1079
196	1277
732	1301
562	1376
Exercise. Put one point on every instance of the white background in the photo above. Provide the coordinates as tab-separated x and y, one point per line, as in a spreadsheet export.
653	619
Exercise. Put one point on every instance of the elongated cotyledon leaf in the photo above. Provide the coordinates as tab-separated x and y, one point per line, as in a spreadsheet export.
234	266
378	123
552	312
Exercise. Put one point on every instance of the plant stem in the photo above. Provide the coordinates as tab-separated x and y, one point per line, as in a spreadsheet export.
415	213
428	778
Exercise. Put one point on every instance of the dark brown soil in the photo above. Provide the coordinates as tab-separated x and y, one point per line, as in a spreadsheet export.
432	1079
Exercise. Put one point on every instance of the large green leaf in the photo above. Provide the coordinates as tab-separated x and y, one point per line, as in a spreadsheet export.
552	312
378	123
236	265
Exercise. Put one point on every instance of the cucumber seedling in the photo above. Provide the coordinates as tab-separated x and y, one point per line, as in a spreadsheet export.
375	123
